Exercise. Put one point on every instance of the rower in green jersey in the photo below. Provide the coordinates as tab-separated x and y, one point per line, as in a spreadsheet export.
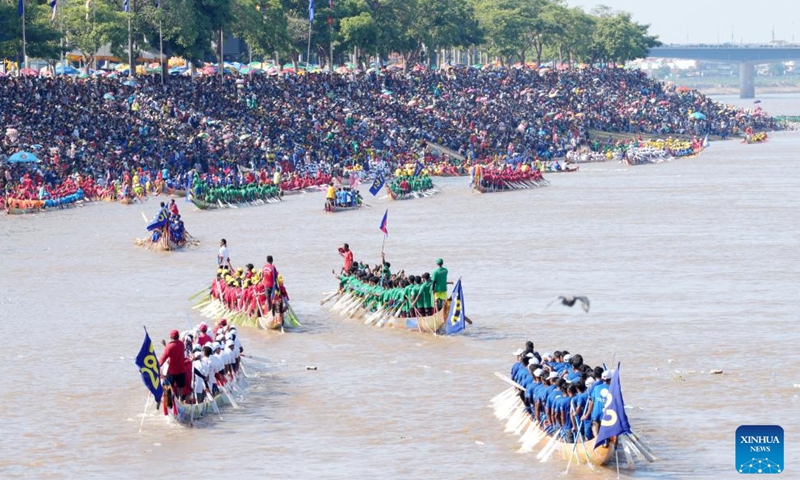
439	279
426	296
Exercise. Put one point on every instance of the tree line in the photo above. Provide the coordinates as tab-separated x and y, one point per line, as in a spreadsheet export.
419	30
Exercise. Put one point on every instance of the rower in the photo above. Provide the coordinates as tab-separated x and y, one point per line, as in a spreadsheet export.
268	276
215	365
597	401
347	254
176	370
204	337
330	197
440	283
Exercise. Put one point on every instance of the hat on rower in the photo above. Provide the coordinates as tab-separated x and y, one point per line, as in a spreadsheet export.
519	352
589	382
552	376
230	343
439	261
197	348
606	375
173	334
537	372
203	327
215	346
567	357
223	322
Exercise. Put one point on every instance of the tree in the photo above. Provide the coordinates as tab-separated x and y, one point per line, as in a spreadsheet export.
617	38
87	31
42	37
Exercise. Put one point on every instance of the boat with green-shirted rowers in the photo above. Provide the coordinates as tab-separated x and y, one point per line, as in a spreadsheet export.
206	197
399	301
406	187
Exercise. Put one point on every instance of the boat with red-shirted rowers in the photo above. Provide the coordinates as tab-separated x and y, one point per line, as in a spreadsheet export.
241	298
489	179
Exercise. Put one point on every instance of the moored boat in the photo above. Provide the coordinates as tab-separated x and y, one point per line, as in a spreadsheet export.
16	206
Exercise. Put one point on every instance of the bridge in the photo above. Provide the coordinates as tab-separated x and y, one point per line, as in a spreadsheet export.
745	55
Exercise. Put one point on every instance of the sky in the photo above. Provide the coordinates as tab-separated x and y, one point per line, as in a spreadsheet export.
711	21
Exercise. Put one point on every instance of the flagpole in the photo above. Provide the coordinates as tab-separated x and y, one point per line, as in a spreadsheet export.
308	51
161	50
60	14
130	48
24	40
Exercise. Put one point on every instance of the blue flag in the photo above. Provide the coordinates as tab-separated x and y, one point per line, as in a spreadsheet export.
161	219
456	318
614	422
377	184
383	223
126	6
21	8
418	168
310	11
148	367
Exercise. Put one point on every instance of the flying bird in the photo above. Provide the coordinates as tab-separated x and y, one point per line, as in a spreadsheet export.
570	300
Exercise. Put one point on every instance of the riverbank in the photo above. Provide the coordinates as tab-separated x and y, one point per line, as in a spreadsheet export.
730	85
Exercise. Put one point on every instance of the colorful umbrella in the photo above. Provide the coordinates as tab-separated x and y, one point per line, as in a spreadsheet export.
23	157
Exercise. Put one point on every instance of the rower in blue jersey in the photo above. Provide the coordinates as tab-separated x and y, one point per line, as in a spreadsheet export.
565	410
597	401
518	364
530	391
579	401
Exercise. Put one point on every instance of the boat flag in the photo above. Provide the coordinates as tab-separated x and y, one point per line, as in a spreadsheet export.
160	220
126	6
418	168
148	367
54	7
377	184
705	141
21	8
614	422
456	318
310	11
383	223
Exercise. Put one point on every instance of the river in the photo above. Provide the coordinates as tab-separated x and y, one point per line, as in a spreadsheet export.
690	265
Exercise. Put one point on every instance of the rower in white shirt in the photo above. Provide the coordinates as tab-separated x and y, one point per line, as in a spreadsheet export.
201	370
215	363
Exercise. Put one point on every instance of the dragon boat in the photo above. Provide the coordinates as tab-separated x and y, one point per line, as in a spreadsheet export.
509	407
247	305
495	180
186	413
404	188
